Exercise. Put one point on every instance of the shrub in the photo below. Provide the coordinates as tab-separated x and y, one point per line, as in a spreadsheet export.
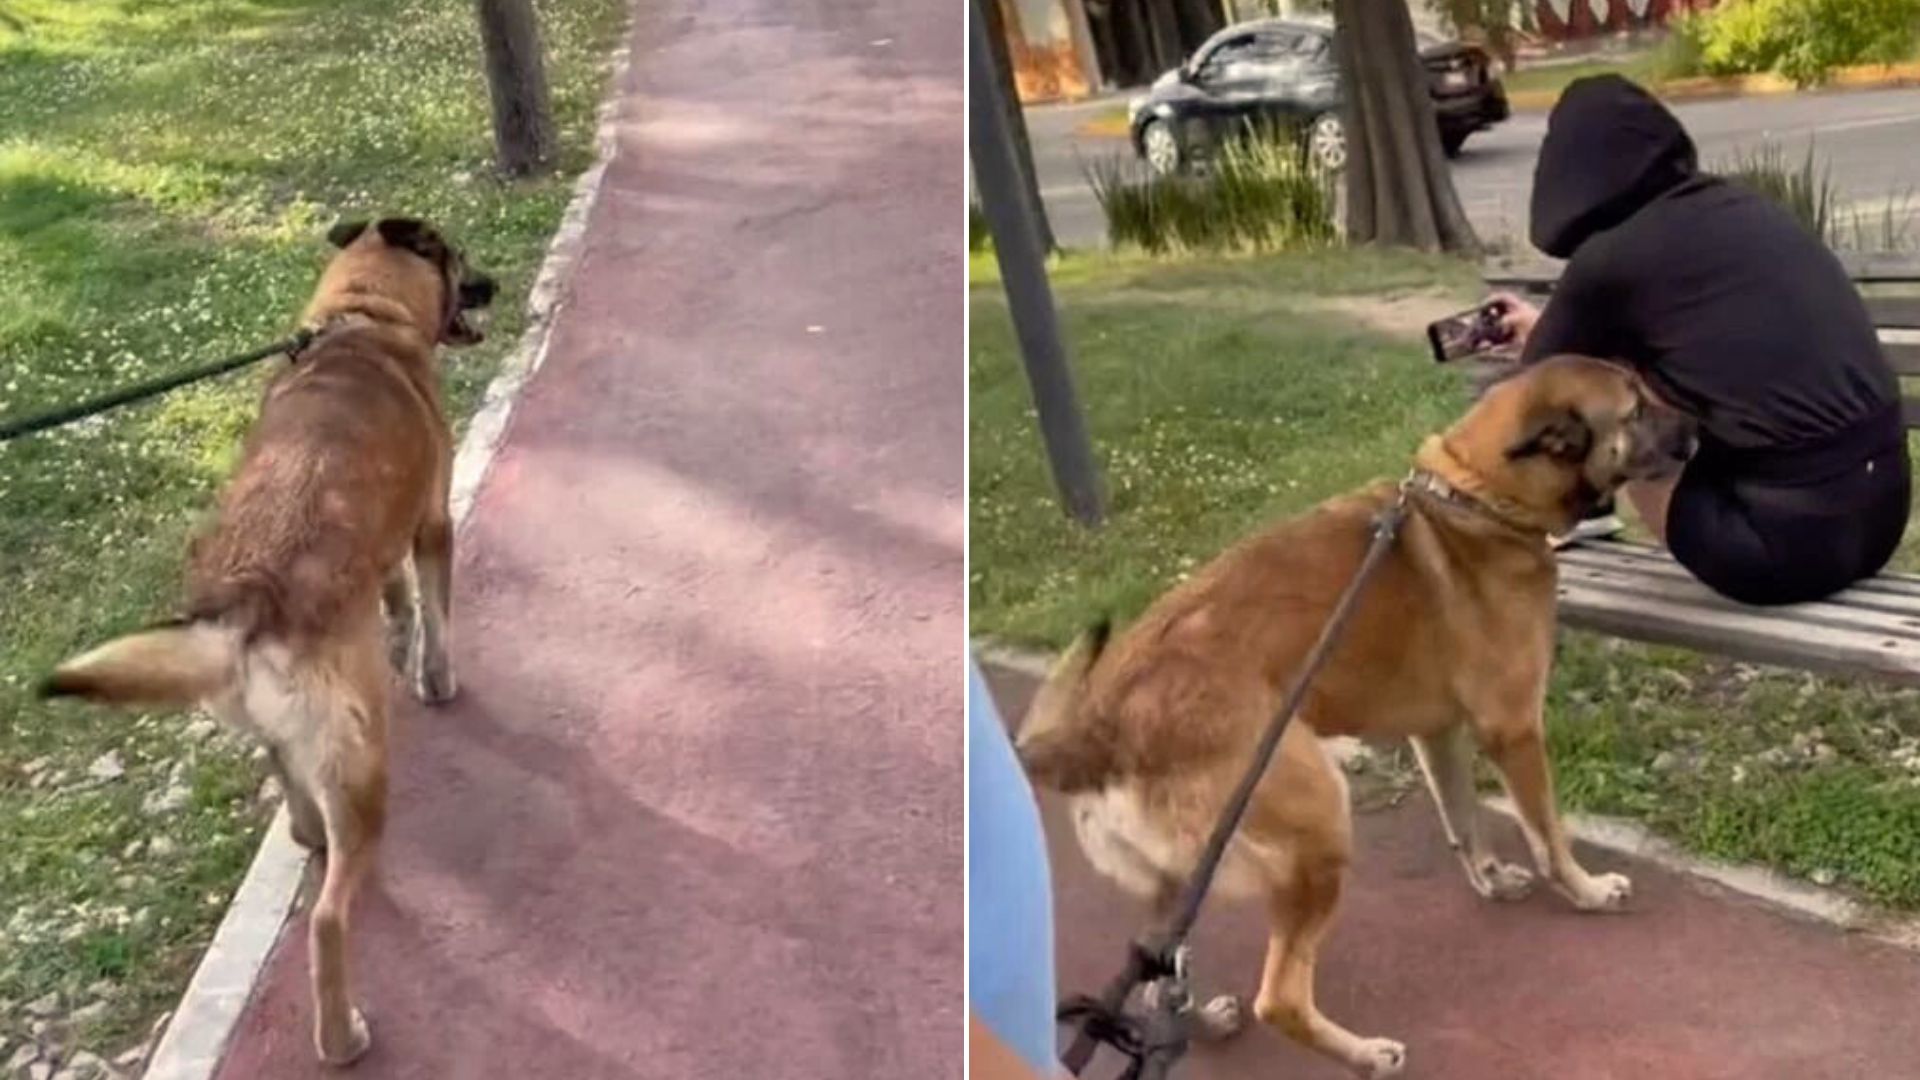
1263	193
1806	191
1744	37
1679	55
1804	40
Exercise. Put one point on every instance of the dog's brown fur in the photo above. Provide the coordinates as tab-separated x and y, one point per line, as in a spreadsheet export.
338	504
1452	638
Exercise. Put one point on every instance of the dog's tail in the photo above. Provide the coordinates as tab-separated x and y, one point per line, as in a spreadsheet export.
174	664
1054	744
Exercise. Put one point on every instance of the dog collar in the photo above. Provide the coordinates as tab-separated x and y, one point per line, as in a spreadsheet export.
315	331
1428	482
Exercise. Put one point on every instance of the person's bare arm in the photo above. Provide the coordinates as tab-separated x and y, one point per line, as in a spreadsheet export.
1519	318
990	1059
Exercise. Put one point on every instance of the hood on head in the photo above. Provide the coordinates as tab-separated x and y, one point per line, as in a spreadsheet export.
1610	149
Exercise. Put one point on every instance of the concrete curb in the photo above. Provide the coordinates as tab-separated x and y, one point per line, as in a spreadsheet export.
196	1038
1623	837
1709	88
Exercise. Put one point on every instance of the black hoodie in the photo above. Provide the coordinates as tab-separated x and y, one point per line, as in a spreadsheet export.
1729	307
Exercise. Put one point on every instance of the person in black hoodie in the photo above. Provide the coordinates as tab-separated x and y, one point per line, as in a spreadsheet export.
1735	313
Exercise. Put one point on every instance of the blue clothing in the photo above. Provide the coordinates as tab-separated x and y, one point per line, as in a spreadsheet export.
1009	894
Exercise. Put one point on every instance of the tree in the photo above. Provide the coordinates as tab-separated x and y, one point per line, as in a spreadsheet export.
996	26
1486	22
1399	190
523	134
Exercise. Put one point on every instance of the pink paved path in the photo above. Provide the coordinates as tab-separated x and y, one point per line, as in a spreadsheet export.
697	811
1694	984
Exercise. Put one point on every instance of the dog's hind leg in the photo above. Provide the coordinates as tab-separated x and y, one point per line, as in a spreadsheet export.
353	814
1212	1019
1309	860
344	766
304	819
433	562
400	598
1447	762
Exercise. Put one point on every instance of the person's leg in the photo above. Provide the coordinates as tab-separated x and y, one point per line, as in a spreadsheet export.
1757	553
1651	501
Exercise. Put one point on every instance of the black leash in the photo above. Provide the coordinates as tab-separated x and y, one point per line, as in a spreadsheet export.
53	418
1153	1042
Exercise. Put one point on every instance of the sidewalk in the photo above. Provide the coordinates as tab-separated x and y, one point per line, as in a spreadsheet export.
1694	984
697	812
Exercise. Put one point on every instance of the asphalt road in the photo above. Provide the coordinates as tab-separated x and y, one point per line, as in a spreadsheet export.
1867	138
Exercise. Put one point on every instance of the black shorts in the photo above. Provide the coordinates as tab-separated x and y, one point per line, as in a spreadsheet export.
1764	542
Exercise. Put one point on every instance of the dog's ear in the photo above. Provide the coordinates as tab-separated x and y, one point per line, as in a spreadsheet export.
412	234
476	291
1561	434
345	233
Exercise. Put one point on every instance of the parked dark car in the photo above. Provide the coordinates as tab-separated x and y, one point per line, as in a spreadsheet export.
1275	71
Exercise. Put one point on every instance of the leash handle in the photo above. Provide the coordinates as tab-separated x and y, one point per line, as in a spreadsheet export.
53	418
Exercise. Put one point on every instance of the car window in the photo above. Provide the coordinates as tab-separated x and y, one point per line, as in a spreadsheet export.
1226	53
1280	44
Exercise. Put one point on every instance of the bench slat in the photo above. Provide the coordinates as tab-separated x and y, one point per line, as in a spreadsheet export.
1527	272
1894	312
1759	637
1893	597
1901	622
1903	355
1640	558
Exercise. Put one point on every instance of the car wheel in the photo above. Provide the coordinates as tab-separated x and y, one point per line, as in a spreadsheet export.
1161	147
1452	141
1327	138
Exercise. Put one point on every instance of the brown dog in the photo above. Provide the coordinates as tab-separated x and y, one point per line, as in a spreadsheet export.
339	503
1453	637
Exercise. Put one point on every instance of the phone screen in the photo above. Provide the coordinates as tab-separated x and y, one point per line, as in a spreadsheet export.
1473	331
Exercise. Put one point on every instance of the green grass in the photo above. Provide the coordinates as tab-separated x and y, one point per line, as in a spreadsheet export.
1644	68
1223	393
166	172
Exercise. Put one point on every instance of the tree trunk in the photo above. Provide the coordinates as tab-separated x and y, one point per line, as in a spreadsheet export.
523	134
1164	28
1139	39
1399	190
1198	20
996	24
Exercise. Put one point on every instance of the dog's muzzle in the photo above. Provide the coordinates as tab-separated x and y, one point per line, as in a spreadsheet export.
473	293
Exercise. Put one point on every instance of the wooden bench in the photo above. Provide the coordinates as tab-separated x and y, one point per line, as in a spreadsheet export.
1638	592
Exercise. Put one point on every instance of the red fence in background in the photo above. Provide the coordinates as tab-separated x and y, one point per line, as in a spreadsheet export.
1561	20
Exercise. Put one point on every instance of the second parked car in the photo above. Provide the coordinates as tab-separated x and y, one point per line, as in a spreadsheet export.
1283	71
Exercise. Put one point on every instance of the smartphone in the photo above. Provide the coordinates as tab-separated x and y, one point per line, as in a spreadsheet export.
1472	331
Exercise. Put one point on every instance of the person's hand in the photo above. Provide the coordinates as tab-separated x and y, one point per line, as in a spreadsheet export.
1517	316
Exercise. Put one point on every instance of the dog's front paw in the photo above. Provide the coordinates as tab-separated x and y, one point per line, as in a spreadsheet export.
1378	1058
1505	881
1603	893
348	1046
436	684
